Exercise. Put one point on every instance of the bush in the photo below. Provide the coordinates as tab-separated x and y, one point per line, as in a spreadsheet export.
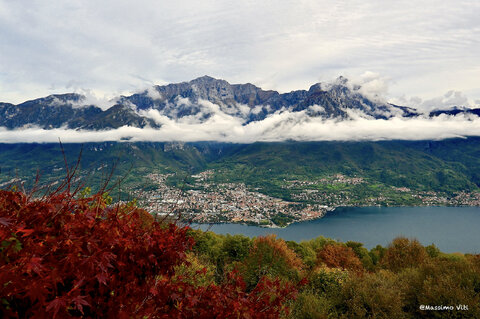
376	254
309	306
376	295
325	281
432	251
236	248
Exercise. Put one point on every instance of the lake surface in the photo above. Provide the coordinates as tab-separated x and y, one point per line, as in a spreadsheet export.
452	229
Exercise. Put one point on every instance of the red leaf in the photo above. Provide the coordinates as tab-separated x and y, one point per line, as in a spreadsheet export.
25	231
79	302
101	278
5	221
56	305
37	291
35	265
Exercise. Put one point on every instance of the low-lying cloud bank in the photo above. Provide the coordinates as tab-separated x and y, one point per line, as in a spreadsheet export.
277	127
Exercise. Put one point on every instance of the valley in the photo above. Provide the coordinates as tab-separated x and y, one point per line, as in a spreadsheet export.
267	184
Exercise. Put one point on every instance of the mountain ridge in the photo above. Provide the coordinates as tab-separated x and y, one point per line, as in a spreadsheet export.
198	100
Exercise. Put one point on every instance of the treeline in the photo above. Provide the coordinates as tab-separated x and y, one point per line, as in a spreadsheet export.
72	254
346	280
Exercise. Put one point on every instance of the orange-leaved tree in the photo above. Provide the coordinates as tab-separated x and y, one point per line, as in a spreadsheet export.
339	256
270	257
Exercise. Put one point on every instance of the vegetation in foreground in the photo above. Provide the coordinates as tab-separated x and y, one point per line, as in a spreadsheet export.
67	256
70	254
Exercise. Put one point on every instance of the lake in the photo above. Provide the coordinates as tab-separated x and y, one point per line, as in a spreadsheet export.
452	229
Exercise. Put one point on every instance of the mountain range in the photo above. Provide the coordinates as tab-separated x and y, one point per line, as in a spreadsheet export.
198	100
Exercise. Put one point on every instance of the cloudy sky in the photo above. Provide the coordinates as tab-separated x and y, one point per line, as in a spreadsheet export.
412	52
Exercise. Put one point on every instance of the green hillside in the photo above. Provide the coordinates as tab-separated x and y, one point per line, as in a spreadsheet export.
448	166
417	165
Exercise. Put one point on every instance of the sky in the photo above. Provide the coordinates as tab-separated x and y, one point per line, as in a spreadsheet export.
423	54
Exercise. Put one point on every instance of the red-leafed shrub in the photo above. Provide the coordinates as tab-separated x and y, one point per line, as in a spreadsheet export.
62	256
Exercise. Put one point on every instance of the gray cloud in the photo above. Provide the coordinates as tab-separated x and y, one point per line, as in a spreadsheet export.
446	101
449	99
115	47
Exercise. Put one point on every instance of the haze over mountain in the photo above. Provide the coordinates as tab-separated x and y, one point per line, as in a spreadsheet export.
212	109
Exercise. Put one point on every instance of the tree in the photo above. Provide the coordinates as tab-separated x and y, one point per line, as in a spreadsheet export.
362	253
270	257
339	256
375	295
403	253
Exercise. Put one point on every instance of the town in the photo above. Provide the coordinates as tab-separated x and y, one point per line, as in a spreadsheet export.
207	202
224	202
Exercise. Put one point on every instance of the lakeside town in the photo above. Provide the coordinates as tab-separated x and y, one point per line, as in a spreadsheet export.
340	191
208	202
225	202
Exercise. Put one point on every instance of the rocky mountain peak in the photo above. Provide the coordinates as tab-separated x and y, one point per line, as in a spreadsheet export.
317	87
198	100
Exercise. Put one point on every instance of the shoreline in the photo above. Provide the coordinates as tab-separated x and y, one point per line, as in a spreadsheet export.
378	225
328	210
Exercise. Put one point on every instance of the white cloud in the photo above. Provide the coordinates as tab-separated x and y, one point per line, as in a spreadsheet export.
183	101
154	94
280	126
374	86
257	109
91	98
316	108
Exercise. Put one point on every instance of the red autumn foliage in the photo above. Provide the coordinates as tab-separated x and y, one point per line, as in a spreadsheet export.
62	257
